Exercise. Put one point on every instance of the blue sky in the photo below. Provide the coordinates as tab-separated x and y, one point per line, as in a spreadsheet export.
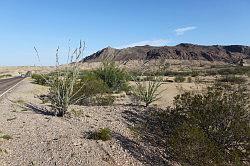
116	23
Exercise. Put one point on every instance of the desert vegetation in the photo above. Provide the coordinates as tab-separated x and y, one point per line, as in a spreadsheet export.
5	76
209	126
157	83
70	85
146	90
103	134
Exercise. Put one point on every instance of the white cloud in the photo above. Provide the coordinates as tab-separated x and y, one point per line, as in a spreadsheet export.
181	31
158	42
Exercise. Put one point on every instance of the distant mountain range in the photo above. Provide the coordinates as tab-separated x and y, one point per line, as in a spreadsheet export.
183	51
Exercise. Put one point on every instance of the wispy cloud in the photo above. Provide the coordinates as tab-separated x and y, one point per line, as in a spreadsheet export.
158	42
181	31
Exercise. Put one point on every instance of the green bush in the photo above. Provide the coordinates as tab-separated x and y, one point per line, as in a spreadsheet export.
91	90
5	136
177	73
214	127
194	73
103	134
232	79
115	78
229	71
40	79
202	129
89	86
179	79
189	80
104	100
5	75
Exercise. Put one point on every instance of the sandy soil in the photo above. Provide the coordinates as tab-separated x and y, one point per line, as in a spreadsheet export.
39	139
168	90
17	70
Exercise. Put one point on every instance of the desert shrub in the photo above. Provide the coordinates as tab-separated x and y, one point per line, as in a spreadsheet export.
5	136
91	90
233	71
189	79
232	79
147	91
214	129
89	86
147	78
76	113
98	100
211	72
5	75
194	73
115	78
177	73
40	79
61	92
104	100
179	79
103	134
211	128
238	70
63	83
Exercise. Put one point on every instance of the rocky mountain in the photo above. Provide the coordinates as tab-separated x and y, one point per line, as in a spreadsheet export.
183	51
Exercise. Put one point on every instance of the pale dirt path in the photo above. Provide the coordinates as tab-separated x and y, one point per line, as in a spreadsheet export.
46	140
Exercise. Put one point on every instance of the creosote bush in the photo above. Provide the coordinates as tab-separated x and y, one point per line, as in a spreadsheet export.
179	79
232	79
104	100
214	127
103	134
114	77
211	128
5	75
5	136
40	79
89	87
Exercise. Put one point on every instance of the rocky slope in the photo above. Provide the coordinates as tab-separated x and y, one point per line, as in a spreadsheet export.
228	54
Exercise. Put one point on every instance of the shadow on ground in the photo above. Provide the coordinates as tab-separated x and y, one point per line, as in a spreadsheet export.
39	110
147	145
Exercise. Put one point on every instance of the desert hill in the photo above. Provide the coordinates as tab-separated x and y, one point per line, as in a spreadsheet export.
183	51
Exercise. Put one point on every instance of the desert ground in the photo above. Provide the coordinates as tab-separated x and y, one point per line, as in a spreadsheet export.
125	83
18	70
32	135
38	138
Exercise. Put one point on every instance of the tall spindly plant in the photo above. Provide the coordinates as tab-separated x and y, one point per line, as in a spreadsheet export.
63	82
